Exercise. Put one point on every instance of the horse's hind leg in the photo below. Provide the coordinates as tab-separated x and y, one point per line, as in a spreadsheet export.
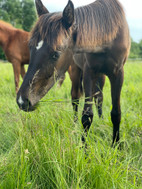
98	85
75	74
87	116
116	81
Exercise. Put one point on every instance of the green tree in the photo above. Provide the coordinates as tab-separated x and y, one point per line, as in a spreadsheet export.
11	11
20	13
28	14
140	49
135	50
2	55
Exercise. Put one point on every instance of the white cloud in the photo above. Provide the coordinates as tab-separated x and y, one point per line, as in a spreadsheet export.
132	8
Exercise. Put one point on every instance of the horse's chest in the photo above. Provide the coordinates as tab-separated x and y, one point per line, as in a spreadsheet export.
96	62
79	60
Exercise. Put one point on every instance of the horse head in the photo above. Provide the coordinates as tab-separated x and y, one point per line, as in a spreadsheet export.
49	54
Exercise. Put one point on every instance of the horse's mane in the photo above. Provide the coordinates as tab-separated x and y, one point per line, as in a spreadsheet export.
98	23
95	25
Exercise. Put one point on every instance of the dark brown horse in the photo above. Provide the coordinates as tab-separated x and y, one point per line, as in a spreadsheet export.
14	43
99	30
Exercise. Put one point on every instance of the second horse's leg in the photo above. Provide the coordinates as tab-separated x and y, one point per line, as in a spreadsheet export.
87	116
76	90
98	85
16	69
22	71
116	85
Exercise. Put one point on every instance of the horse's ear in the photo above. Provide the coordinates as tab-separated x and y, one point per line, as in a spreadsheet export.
41	9
68	15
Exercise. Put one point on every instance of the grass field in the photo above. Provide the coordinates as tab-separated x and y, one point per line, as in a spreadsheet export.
42	149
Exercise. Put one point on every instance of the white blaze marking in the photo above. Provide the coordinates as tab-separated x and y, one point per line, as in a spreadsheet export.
39	45
20	100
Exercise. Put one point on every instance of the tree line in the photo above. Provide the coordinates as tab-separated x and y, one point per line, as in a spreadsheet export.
136	50
22	14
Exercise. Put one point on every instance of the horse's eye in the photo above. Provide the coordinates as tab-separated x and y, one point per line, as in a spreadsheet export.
55	56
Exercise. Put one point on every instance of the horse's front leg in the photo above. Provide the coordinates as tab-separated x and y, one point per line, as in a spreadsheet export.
87	115
22	71
98	85
75	74
116	81
17	69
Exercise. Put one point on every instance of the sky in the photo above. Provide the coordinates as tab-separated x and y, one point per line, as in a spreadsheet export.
133	10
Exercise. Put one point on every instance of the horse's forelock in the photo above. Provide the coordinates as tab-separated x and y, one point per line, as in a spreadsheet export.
49	28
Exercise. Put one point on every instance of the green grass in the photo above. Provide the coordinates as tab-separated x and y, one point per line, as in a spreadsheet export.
42	149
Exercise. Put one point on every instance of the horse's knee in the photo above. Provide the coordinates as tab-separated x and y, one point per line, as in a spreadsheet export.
87	119
17	88
74	94
115	117
76	91
98	102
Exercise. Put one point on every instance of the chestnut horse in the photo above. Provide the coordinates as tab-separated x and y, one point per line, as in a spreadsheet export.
100	31
14	43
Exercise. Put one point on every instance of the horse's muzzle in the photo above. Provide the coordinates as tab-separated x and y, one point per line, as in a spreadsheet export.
24	104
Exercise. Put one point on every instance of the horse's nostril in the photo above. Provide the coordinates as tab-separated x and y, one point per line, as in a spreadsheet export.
24	103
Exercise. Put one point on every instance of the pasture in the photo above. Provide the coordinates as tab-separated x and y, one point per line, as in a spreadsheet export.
43	149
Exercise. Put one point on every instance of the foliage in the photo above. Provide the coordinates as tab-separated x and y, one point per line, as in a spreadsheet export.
140	47
11	11
28	14
20	13
42	149
136	49
2	55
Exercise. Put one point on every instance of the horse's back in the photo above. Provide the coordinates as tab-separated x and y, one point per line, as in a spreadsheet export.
17	48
